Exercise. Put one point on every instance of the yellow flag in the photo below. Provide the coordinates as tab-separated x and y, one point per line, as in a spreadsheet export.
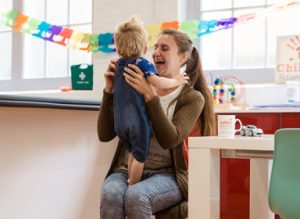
153	31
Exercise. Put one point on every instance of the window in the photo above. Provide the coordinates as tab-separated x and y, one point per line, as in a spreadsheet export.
250	46
37	64
5	47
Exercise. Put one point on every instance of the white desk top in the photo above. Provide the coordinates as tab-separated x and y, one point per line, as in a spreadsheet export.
263	143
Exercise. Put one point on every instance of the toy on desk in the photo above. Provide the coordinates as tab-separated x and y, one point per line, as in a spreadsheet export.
221	92
251	131
215	90
229	93
232	92
236	91
218	91
215	94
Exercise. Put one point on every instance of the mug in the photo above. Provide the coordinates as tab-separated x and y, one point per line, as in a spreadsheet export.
226	125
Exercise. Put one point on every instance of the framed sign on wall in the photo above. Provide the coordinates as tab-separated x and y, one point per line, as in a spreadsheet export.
287	59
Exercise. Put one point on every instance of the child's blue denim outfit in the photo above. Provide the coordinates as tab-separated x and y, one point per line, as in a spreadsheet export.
132	124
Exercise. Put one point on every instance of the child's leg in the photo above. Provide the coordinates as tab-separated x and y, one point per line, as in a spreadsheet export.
129	163
136	171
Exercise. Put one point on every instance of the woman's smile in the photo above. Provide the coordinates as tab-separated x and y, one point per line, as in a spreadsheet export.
159	64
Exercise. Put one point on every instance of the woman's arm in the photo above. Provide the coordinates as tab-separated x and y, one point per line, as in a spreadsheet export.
171	133
105	124
166	83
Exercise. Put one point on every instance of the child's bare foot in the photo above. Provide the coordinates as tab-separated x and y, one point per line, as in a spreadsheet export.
130	160
130	182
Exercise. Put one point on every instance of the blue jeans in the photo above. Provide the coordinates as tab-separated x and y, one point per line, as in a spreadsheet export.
155	192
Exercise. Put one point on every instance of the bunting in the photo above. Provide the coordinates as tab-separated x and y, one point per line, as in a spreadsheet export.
104	42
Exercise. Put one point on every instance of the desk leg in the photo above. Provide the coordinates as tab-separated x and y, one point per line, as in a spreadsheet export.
204	183
259	207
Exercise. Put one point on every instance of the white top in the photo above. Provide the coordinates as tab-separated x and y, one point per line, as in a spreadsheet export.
166	100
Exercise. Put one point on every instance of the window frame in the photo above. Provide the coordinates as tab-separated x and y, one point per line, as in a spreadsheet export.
247	75
17	82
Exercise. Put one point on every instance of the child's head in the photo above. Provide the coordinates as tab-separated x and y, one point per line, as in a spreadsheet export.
130	38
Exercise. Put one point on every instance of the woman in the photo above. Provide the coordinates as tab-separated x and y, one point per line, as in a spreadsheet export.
173	114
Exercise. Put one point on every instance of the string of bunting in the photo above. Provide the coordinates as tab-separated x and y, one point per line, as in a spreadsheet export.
104	42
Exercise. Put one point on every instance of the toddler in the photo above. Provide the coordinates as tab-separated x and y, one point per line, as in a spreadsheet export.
131	121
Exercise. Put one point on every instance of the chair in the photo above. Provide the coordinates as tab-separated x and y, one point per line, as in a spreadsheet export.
179	211
284	191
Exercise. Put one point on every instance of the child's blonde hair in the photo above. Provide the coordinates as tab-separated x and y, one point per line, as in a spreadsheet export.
130	38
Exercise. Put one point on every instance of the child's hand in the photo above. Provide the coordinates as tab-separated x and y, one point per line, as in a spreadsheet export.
182	78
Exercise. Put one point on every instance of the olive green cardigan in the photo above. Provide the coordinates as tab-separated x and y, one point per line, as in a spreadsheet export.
169	134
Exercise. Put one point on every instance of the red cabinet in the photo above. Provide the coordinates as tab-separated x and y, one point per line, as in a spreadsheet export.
235	173
290	120
269	122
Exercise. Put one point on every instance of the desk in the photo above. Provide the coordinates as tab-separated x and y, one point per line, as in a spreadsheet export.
204	173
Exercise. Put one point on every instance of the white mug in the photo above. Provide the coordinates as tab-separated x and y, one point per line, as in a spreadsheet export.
226	125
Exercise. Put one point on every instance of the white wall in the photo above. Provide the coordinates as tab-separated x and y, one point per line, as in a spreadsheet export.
107	14
52	164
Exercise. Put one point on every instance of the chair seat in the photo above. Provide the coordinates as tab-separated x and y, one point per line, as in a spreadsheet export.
179	211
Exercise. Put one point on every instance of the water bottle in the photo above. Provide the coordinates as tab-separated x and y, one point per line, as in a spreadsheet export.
292	91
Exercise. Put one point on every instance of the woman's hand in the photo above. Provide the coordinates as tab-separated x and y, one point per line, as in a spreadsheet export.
135	78
109	76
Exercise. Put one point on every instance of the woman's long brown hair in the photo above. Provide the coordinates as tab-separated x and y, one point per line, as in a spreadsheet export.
197	79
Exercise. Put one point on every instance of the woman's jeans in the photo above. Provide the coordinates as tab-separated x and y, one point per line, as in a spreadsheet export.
155	192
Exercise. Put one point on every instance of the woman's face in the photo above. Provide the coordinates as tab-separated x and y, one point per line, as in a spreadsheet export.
166	58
